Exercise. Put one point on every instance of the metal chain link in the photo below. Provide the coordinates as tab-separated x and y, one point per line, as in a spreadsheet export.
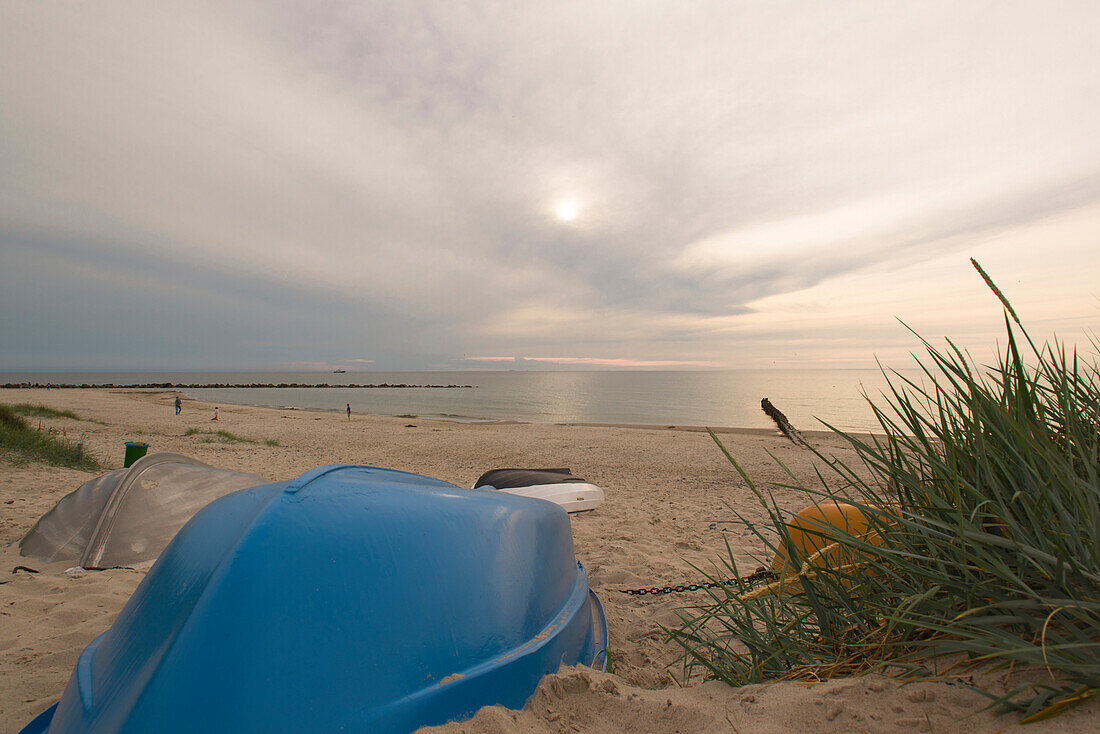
759	576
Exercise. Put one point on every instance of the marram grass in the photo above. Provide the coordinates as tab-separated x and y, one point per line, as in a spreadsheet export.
225	436
42	411
984	488
19	439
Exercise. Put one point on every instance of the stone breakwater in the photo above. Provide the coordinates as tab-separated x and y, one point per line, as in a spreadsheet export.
212	385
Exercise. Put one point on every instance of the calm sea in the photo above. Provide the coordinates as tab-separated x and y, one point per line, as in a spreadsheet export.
716	398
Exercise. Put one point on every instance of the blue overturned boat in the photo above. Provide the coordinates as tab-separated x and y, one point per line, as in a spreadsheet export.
350	599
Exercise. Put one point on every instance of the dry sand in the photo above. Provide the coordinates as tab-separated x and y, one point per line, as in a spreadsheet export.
668	492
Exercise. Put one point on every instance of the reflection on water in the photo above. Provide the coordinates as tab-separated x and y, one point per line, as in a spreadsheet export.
716	398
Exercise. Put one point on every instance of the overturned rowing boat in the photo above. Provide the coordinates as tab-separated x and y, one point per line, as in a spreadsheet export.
349	599
127	517
556	485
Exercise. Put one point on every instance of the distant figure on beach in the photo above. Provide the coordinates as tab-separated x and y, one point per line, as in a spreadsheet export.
179	405
215	415
349	411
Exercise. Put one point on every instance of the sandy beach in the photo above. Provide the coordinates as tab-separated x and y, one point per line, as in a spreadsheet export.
670	494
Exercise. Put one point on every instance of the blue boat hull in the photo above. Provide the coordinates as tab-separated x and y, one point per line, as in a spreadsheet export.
350	599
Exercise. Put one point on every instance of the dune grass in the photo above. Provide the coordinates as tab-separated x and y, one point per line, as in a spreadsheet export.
983	498
212	435
43	411
22	440
225	437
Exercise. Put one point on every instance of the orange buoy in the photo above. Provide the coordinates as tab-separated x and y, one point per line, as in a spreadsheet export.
810	532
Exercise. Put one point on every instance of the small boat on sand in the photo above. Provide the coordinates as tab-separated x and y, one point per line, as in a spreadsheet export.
128	516
556	485
349	599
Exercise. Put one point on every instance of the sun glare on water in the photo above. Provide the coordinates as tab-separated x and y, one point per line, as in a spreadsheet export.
566	210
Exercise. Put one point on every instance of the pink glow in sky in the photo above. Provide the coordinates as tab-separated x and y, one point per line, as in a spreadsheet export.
602	362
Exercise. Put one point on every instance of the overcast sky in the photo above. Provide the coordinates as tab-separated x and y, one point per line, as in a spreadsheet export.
450	185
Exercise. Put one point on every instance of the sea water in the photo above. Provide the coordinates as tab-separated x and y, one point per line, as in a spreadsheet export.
809	398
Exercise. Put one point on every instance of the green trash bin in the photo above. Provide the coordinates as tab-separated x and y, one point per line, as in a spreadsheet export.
134	451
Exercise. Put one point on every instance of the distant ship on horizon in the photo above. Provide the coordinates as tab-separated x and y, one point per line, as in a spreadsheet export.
339	372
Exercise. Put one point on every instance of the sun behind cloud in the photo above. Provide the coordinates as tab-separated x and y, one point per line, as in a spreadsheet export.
567	210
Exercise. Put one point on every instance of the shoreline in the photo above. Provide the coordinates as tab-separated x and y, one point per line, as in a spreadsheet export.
671	498
742	430
745	430
811	399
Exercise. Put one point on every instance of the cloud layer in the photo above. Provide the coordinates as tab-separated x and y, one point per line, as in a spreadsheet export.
212	186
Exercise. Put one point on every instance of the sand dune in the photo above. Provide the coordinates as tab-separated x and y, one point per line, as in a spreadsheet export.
669	495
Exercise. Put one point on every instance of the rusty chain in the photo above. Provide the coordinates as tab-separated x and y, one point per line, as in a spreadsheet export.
759	576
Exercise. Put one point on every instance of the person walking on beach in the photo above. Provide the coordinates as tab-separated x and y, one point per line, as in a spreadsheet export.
215	415
179	405
349	411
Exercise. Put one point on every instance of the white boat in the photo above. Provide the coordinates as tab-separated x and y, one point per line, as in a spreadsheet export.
556	485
